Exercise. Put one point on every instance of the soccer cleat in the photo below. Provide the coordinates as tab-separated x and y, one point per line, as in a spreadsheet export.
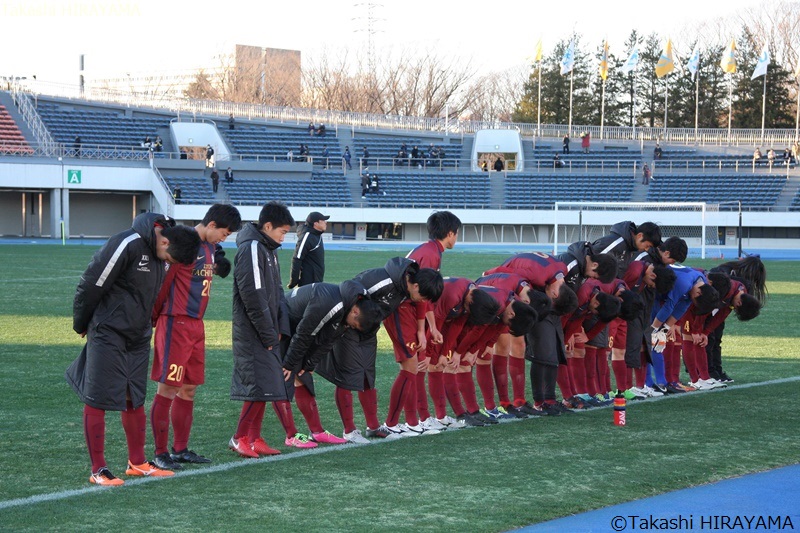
674	388
498	413
381	432
633	394
355	437
147	469
651	392
659	388
242	447
105	478
687	388
642	393
299	441
548	409
261	447
560	407
415	431
326	437
604	399
575	403
528	409
483	418
451	423
715	384
701	385
725	378
514	411
471	422
165	462
431	423
188	456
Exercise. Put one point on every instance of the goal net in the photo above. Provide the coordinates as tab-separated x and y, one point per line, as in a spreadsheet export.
588	221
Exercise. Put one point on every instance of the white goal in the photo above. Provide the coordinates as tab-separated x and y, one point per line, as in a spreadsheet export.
588	221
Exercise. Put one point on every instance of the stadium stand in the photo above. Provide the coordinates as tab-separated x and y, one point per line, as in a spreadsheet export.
324	188
253	143
11	139
754	190
383	152
532	191
435	190
194	189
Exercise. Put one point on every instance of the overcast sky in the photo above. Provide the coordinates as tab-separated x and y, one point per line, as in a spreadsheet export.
136	36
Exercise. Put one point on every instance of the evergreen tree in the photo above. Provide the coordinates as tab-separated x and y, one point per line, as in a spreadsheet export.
629	82
615	106
651	89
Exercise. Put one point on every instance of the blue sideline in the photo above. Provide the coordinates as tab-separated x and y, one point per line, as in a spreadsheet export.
768	501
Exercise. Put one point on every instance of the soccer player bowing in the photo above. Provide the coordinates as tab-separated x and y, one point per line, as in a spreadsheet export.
318	315
112	309
179	361
351	364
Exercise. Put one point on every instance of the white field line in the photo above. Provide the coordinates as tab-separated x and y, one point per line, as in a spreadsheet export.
62	495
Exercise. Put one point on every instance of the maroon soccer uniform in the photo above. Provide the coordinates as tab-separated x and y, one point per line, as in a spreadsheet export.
428	255
538	269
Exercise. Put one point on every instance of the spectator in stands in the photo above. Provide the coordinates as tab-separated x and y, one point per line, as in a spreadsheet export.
374	186
484	166
787	157
415	157
365	182
303	153
229	175
440	156
365	157
756	156
214	179
176	194
321	130
400	158
147	142
231	122
346	156
771	157
290	155
311	129
209	156
557	162
795	151
498	165
657	152
565	143
77	146
404	148
159	144
585	141
325	155
646	174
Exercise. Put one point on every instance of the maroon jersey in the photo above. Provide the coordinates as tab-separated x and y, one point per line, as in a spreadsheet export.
573	323
428	255
725	308
504	280
186	287
634	275
470	335
538	269
450	311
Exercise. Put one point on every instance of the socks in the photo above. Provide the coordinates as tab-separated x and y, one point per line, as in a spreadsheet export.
344	403
369	404
283	409
672	363
701	362
453	394
620	374
640	375
516	369
159	422
422	397
590	371
256	421
134	422
467	389
690	359
438	396
399	394
485	378
249	410
308	406
411	401
564	383
94	429
500	371
577	375
658	367
182	415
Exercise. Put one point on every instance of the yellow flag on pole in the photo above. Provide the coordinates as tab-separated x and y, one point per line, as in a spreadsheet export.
666	63
604	61
728	61
537	56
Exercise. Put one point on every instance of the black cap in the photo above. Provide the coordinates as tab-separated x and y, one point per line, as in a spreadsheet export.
315	216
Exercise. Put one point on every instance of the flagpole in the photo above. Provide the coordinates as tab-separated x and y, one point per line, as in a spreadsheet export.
763	107
797	116
696	102
569	126
730	104
666	99
539	104
603	110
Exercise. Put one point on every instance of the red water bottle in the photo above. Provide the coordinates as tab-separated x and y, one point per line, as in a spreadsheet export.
619	410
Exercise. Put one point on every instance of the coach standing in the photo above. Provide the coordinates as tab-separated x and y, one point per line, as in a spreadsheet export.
308	261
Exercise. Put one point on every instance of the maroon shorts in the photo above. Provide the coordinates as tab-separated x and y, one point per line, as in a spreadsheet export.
180	351
401	326
618	333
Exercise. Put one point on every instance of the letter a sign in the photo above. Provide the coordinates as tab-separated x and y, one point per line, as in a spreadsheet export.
73	176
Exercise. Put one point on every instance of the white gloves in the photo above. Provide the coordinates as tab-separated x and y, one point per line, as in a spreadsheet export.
659	338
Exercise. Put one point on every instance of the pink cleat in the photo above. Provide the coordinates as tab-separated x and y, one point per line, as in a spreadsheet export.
327	437
300	441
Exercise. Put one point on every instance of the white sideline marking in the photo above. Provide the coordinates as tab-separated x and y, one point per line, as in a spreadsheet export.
62	495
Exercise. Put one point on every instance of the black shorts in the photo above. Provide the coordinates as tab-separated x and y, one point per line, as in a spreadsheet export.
545	343
351	363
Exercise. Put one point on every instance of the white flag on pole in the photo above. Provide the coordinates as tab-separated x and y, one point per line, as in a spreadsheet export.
761	66
694	62
568	61
632	61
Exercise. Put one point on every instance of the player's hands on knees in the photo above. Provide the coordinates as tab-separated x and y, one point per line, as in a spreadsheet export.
436	336
286	374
